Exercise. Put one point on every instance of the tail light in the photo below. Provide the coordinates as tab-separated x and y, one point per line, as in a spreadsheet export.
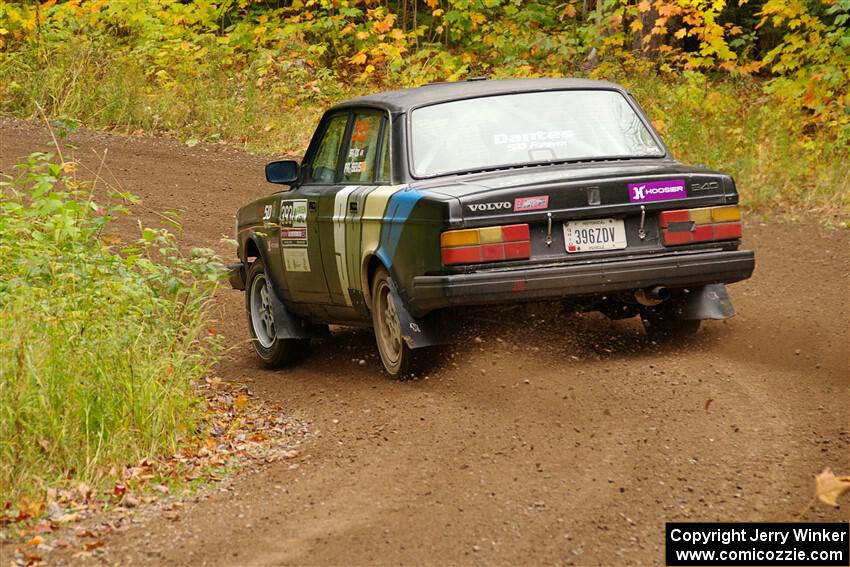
490	244
708	224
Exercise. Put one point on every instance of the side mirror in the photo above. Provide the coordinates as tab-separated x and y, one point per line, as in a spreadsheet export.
283	172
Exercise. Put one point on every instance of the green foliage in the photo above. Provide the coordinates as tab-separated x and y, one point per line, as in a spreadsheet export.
779	162
99	346
797	42
260	72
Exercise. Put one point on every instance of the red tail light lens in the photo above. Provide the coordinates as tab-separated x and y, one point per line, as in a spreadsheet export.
465	255
489	244
515	232
727	231
686	226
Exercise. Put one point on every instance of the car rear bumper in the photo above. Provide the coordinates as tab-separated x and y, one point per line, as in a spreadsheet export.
566	280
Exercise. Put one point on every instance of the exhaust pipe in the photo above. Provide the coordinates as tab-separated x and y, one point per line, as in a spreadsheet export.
652	296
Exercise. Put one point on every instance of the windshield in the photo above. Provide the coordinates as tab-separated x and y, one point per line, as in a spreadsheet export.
526	128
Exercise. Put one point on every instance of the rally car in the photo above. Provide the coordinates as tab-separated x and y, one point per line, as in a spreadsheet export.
411	203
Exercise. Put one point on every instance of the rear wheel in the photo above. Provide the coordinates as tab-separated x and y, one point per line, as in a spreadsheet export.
395	354
663	323
273	351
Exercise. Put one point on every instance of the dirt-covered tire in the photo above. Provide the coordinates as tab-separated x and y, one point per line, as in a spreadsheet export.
397	357
273	352
662	323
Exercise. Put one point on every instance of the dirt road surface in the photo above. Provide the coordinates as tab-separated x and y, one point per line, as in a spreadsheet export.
562	439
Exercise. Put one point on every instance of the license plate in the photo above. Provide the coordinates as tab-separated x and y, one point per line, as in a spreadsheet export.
595	234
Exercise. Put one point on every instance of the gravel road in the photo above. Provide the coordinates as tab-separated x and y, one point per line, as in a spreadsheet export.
542	438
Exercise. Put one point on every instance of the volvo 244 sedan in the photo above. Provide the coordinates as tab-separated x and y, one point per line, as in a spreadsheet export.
413	202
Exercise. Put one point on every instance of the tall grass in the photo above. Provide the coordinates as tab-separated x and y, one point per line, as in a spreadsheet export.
780	163
98	349
109	89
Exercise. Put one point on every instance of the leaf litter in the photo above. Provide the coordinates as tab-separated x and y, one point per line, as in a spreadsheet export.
237	429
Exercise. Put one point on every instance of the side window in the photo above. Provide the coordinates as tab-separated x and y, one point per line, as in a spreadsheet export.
327	156
362	151
385	175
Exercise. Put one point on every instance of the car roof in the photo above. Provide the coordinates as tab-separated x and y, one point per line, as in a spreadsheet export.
404	99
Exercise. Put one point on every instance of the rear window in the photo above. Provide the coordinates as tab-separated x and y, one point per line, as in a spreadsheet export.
526	128
362	149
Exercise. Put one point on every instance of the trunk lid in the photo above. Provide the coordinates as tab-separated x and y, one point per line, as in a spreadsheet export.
584	191
628	194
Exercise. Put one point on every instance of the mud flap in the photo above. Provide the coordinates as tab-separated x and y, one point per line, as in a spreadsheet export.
289	326
236	275
708	302
418	332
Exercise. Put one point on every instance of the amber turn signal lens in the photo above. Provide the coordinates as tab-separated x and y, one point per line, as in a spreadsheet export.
459	238
708	224
725	214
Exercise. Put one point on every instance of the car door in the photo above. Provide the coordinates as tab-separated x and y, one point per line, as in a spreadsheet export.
341	211
300	245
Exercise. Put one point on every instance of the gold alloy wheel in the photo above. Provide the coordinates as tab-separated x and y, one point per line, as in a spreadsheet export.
388	328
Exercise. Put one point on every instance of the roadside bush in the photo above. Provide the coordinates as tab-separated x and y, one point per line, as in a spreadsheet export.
760	89
99	346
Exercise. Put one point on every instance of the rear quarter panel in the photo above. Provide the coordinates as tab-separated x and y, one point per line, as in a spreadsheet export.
409	243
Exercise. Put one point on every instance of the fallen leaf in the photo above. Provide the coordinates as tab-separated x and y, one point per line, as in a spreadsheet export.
241	401
829	487
94	545
29	558
35	541
42	528
30	509
54	512
68	518
84	491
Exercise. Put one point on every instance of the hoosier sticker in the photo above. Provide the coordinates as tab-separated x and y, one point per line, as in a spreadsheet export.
657	191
